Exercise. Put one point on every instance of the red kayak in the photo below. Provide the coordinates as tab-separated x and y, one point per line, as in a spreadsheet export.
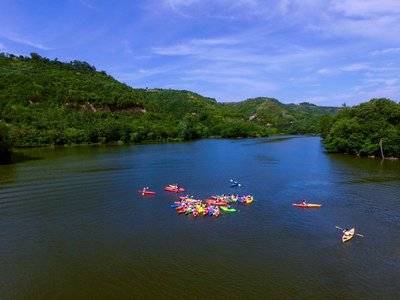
174	189
216	202
146	192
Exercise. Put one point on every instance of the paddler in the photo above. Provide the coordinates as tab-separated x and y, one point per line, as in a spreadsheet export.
346	232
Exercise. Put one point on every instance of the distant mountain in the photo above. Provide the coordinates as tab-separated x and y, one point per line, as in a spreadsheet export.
46	102
285	118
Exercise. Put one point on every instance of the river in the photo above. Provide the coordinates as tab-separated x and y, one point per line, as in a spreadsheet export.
74	227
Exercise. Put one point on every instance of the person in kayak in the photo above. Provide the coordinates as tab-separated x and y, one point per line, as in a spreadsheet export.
346	232
304	202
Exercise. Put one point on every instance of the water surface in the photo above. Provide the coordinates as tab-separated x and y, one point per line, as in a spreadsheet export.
73	225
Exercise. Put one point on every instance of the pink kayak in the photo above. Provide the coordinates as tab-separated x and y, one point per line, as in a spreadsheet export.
174	189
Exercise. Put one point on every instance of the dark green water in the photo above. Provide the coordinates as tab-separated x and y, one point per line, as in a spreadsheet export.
73	226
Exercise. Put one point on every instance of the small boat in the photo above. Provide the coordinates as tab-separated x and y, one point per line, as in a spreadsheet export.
307	205
348	235
146	192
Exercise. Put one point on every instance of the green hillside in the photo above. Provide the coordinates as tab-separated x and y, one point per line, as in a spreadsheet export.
44	102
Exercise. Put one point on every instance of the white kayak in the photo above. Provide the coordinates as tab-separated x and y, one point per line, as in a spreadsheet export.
348	235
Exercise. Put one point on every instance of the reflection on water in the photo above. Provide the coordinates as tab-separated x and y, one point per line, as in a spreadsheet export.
369	170
74	226
7	173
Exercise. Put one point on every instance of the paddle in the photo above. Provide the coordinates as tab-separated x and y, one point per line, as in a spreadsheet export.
356	233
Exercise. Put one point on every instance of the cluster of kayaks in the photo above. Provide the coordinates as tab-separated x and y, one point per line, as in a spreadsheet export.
196	208
213	206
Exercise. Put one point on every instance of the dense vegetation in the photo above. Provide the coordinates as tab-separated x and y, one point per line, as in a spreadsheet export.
47	102
360	129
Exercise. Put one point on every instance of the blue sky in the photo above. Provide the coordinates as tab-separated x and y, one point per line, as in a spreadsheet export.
327	52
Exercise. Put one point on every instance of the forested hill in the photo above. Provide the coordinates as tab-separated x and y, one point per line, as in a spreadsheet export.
45	102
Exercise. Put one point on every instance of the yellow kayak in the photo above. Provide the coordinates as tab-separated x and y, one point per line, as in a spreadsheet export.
249	200
307	205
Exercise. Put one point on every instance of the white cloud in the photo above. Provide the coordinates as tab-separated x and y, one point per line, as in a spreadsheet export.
26	42
242	52
228	9
366	8
356	67
145	73
216	41
366	18
87	3
386	51
291	44
326	71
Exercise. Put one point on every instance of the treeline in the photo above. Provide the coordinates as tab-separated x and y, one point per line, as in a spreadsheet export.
48	102
361	129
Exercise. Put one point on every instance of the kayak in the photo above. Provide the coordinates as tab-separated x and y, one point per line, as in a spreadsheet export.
174	189
307	205
227	209
216	213
146	193
248	200
181	210
233	198
216	202
348	235
190	200
234	183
